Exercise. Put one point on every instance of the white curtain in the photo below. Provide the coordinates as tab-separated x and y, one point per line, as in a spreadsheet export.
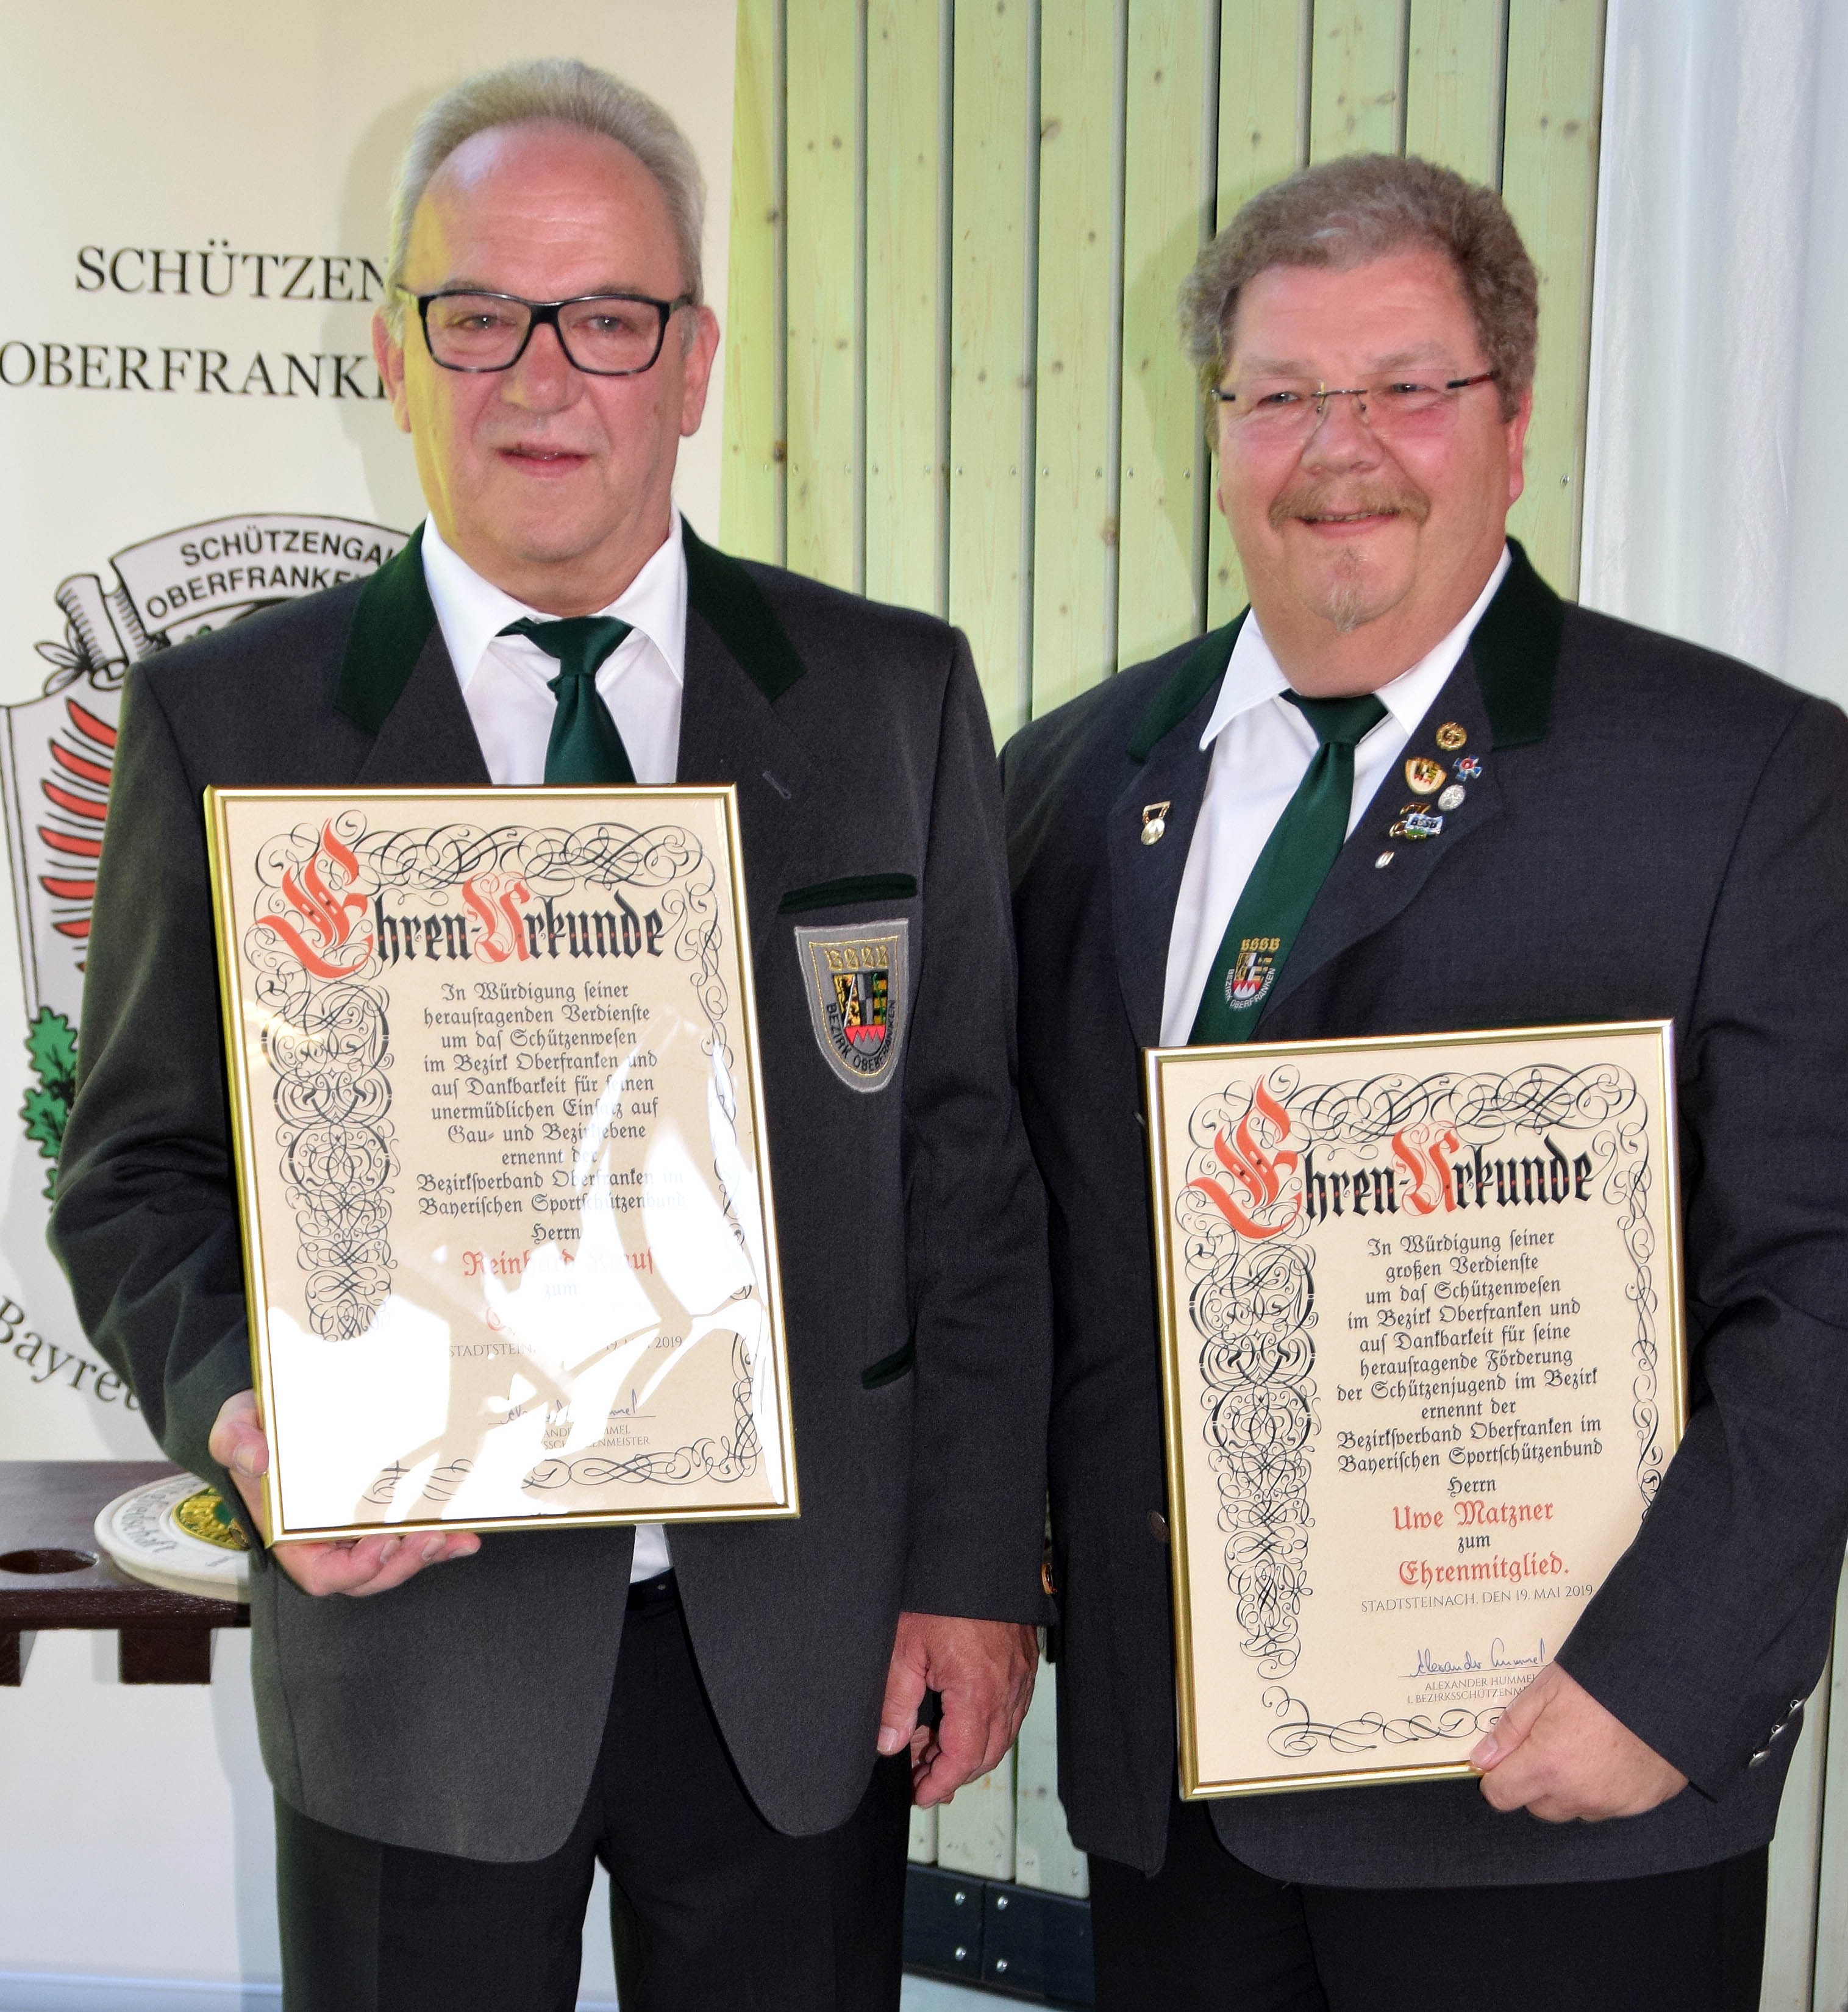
1716	461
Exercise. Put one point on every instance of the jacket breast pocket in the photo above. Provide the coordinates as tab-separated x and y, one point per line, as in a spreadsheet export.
890	1369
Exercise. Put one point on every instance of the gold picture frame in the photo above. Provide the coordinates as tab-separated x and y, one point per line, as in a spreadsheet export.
496	1108
1511	1314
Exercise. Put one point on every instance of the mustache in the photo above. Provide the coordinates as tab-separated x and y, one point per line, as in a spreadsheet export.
1326	499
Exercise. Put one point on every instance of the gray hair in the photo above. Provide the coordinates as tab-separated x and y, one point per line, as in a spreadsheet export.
570	93
1362	206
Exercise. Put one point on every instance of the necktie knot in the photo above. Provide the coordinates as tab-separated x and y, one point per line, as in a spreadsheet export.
579	642
1340	722
585	749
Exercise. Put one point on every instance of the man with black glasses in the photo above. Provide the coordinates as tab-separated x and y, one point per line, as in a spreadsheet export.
728	1717
1411	791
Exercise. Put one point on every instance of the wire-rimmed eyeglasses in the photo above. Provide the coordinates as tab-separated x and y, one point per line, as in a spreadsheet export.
1284	407
605	335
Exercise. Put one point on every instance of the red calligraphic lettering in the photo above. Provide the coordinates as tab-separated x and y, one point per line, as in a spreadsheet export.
1255	1166
495	899
325	904
1425	1152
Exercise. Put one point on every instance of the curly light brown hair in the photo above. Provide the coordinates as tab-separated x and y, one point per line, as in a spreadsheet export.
1342	213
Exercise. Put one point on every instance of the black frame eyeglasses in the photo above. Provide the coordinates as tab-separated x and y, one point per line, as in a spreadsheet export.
544	314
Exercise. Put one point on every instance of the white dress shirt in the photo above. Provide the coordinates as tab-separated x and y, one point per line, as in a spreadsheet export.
503	680
1262	747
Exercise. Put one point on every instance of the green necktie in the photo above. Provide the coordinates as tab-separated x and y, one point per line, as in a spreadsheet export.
1295	861
585	748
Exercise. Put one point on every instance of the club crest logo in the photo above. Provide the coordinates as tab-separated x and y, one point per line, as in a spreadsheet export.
57	750
1254	971
859	998
1414	821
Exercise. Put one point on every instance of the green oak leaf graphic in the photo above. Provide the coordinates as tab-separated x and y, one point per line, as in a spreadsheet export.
52	1047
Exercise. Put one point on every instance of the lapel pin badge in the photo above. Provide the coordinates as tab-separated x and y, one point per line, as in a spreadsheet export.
1426	775
1155	822
1415	821
1452	798
1450	736
1468	769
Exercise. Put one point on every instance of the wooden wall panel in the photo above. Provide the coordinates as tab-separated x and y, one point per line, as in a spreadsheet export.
1452	77
751	492
1263	135
906	243
975	1832
1357	101
1162	572
1830	1983
1044	1855
1550	182
991	360
1076	496
826	370
984	405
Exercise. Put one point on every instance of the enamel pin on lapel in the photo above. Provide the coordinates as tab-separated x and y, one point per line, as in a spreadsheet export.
1469	770
1452	798
1155	822
1450	736
1414	821
1426	775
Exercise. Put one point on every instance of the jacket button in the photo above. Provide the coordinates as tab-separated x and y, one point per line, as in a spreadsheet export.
1759	1759
1158	1526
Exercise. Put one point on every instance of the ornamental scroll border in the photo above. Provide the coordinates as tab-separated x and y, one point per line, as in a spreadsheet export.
1251	1304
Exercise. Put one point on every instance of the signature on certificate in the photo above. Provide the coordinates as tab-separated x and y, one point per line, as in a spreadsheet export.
1500	1658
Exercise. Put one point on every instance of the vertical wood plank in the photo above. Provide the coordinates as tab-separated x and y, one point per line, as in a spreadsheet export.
750	480
1044	1855
1356	99
1549	176
1453	76
922	1848
824	362
1262	138
1790	1902
990	365
904	303
1080	311
1829	1988
1164	447
974	1833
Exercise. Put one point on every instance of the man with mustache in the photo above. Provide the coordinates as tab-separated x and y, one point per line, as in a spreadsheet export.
727	1715
1602	824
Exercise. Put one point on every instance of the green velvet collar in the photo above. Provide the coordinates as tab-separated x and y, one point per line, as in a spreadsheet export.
1514	649
391	627
394	618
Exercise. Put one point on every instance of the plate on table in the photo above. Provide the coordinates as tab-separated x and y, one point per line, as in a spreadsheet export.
177	1534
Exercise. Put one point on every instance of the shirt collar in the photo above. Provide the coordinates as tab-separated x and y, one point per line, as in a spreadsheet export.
471	611
1253	675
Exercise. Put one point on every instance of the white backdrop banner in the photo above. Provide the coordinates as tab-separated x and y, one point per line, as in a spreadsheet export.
192	427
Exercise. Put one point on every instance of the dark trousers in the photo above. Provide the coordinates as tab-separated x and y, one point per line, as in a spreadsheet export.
1208	1934
710	1906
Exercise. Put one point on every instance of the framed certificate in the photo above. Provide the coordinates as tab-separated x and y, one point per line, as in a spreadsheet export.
509	1249
1423	1358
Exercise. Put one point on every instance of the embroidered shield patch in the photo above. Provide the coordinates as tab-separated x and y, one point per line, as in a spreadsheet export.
859	998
